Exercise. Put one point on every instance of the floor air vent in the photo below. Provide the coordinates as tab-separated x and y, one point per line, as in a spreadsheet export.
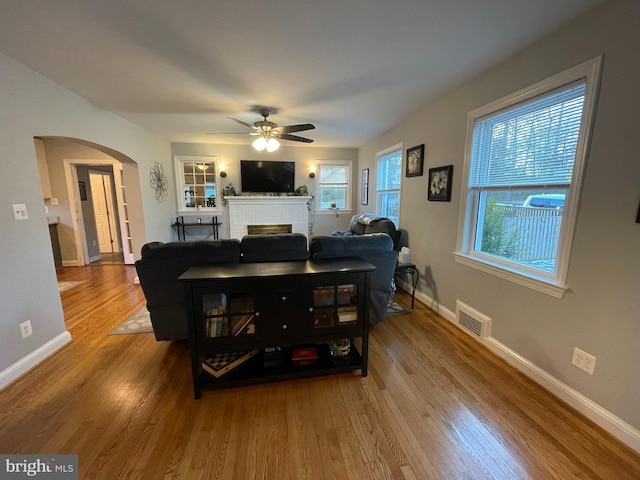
472	321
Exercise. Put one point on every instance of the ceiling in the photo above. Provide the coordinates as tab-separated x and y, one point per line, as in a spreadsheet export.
354	68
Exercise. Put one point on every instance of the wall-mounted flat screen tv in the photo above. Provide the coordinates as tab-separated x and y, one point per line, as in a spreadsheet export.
267	176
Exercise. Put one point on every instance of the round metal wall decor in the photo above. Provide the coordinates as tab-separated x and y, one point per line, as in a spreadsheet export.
158	181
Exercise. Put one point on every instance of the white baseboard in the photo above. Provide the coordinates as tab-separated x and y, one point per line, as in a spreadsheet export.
617	427
590	409
25	364
70	263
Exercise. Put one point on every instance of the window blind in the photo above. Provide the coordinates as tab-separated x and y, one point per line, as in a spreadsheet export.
334	174
533	143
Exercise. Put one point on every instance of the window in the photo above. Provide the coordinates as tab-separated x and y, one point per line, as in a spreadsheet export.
388	177
196	184
333	187
524	169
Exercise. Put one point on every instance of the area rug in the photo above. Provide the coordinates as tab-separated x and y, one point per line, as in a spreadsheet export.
395	308
64	286
139	322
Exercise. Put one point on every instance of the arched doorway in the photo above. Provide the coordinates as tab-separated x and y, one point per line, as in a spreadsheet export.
71	163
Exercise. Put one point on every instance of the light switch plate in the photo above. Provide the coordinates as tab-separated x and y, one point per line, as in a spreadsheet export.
20	211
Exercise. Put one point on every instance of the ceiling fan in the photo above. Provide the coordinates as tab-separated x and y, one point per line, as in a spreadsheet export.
269	132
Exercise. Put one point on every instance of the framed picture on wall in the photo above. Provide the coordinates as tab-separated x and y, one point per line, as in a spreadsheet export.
415	161
364	200
440	179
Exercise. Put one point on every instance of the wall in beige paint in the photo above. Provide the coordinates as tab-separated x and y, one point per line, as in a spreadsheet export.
32	106
305	157
601	312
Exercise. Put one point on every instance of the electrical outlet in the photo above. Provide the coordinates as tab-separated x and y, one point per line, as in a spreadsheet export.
25	329
584	361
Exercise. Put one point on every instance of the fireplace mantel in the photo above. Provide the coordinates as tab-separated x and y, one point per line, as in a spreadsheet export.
258	210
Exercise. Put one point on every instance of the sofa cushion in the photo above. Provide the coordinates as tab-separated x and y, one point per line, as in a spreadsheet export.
279	247
213	251
349	245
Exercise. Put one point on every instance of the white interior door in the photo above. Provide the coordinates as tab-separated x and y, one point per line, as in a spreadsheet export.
104	211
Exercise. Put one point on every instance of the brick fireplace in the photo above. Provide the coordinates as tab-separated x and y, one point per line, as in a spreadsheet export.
267	215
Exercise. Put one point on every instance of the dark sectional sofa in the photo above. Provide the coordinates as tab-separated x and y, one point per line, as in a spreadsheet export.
162	263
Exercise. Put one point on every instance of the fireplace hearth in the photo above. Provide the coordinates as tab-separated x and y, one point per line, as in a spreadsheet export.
262	229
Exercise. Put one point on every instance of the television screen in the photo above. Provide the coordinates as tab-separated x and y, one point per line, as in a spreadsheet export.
267	176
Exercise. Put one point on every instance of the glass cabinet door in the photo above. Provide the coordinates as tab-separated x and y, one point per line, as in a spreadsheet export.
334	306
228	315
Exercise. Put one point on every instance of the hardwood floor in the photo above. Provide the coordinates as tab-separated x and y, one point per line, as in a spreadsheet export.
435	405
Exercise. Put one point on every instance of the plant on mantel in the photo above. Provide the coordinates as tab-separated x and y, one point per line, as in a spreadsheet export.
303	191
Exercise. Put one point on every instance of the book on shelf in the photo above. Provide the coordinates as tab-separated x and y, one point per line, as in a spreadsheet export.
241	304
304	357
241	325
304	354
218	364
347	314
215	322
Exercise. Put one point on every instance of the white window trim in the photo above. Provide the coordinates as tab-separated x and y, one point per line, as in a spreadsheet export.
349	194
178	160
381	153
464	254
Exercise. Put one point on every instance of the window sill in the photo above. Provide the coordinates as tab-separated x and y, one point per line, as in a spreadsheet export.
328	211
542	285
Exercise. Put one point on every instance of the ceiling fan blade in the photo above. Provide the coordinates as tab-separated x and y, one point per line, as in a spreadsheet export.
242	123
295	128
294	138
230	133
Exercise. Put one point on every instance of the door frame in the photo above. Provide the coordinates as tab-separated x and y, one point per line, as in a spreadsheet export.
77	220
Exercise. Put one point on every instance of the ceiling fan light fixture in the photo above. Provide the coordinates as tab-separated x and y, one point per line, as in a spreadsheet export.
260	143
268	132
272	145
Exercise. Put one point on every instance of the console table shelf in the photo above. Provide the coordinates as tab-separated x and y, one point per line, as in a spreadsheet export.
254	371
183	226
274	310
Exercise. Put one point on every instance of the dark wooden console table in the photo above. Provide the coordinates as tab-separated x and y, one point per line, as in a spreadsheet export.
181	227
275	312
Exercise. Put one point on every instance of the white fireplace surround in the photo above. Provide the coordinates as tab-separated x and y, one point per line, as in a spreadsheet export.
255	210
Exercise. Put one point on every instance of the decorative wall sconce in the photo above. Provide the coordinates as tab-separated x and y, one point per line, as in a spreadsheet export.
223	173
312	171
